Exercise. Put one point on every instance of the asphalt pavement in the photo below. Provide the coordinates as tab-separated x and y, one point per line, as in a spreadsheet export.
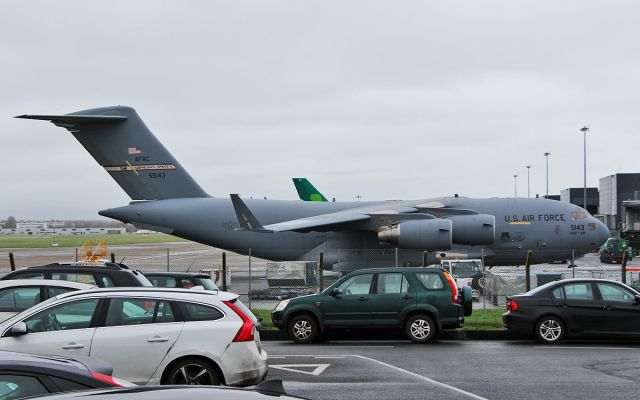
456	370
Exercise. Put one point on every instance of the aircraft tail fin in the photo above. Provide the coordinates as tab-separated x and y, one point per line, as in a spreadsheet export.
121	143
306	191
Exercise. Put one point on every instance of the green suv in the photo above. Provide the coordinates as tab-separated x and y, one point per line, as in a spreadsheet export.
422	301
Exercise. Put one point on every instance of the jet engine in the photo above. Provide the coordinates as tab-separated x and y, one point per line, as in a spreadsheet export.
475	229
423	234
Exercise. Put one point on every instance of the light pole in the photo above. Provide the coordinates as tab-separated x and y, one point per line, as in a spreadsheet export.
515	185
528	182
547	154
584	130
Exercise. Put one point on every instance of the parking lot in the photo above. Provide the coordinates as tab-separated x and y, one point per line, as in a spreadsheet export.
457	370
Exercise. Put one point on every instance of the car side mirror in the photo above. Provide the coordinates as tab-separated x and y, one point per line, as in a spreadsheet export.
18	329
636	300
335	292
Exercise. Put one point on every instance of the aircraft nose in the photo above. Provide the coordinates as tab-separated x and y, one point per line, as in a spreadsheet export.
602	232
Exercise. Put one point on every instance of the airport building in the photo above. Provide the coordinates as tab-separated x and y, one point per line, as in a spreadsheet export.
43	228
620	201
576	196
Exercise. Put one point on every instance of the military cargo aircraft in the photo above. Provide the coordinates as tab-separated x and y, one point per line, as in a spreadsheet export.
351	235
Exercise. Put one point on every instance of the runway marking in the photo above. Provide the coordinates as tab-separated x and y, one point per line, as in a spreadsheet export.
277	357
415	375
317	368
331	357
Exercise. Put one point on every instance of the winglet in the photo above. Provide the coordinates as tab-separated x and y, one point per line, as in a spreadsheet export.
246	219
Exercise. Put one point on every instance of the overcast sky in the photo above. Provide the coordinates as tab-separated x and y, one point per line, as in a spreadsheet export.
385	100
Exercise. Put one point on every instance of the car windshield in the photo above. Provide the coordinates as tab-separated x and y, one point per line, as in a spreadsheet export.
207	283
17	317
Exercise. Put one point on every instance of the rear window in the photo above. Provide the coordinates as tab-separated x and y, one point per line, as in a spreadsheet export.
142	279
199	312
430	280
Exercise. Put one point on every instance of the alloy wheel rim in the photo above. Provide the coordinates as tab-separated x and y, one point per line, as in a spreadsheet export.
550	330
193	374
420	329
302	329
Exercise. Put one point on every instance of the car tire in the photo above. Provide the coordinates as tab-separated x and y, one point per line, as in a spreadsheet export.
550	330
420	328
192	371
303	329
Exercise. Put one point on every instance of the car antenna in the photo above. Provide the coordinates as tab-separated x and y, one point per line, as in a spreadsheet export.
122	259
191	265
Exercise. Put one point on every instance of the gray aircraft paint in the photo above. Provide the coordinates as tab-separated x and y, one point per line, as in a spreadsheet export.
170	201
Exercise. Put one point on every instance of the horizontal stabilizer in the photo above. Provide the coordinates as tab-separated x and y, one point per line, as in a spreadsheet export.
76	119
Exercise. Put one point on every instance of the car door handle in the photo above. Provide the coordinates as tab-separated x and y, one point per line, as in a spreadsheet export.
156	339
363	298
73	345
407	297
607	308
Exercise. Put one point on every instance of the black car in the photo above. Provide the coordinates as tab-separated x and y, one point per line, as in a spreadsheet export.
23	375
574	308
101	274
267	390
185	280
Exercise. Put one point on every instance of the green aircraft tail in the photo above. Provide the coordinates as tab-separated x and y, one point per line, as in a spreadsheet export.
307	191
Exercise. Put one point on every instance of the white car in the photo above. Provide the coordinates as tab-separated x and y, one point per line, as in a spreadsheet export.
20	294
149	335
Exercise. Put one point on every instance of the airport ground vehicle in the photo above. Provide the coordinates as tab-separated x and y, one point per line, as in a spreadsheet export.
185	280
613	249
17	295
423	301
573	308
265	391
101	274
149	335
466	273
23	375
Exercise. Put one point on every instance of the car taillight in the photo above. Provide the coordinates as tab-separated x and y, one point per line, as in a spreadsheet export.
454	288
106	379
512	305
245	334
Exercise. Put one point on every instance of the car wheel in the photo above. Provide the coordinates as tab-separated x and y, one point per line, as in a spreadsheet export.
550	330
420	329
192	372
303	329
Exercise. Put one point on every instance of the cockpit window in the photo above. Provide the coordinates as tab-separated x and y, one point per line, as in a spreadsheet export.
577	215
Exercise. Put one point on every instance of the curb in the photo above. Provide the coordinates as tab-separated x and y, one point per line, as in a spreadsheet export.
276	334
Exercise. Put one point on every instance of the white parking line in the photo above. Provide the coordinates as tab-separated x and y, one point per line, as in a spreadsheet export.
587	348
424	378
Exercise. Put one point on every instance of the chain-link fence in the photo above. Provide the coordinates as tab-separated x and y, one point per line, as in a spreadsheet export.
262	283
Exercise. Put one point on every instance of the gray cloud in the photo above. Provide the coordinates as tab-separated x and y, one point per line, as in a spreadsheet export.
378	99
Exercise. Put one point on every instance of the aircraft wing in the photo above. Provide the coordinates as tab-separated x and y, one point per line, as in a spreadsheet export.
369	217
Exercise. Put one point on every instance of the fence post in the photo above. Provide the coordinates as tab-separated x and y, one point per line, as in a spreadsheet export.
113	257
320	274
623	266
76	254
224	271
249	291
396	257
528	269
168	259
12	262
425	254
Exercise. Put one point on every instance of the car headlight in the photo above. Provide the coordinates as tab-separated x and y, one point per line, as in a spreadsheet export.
282	305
